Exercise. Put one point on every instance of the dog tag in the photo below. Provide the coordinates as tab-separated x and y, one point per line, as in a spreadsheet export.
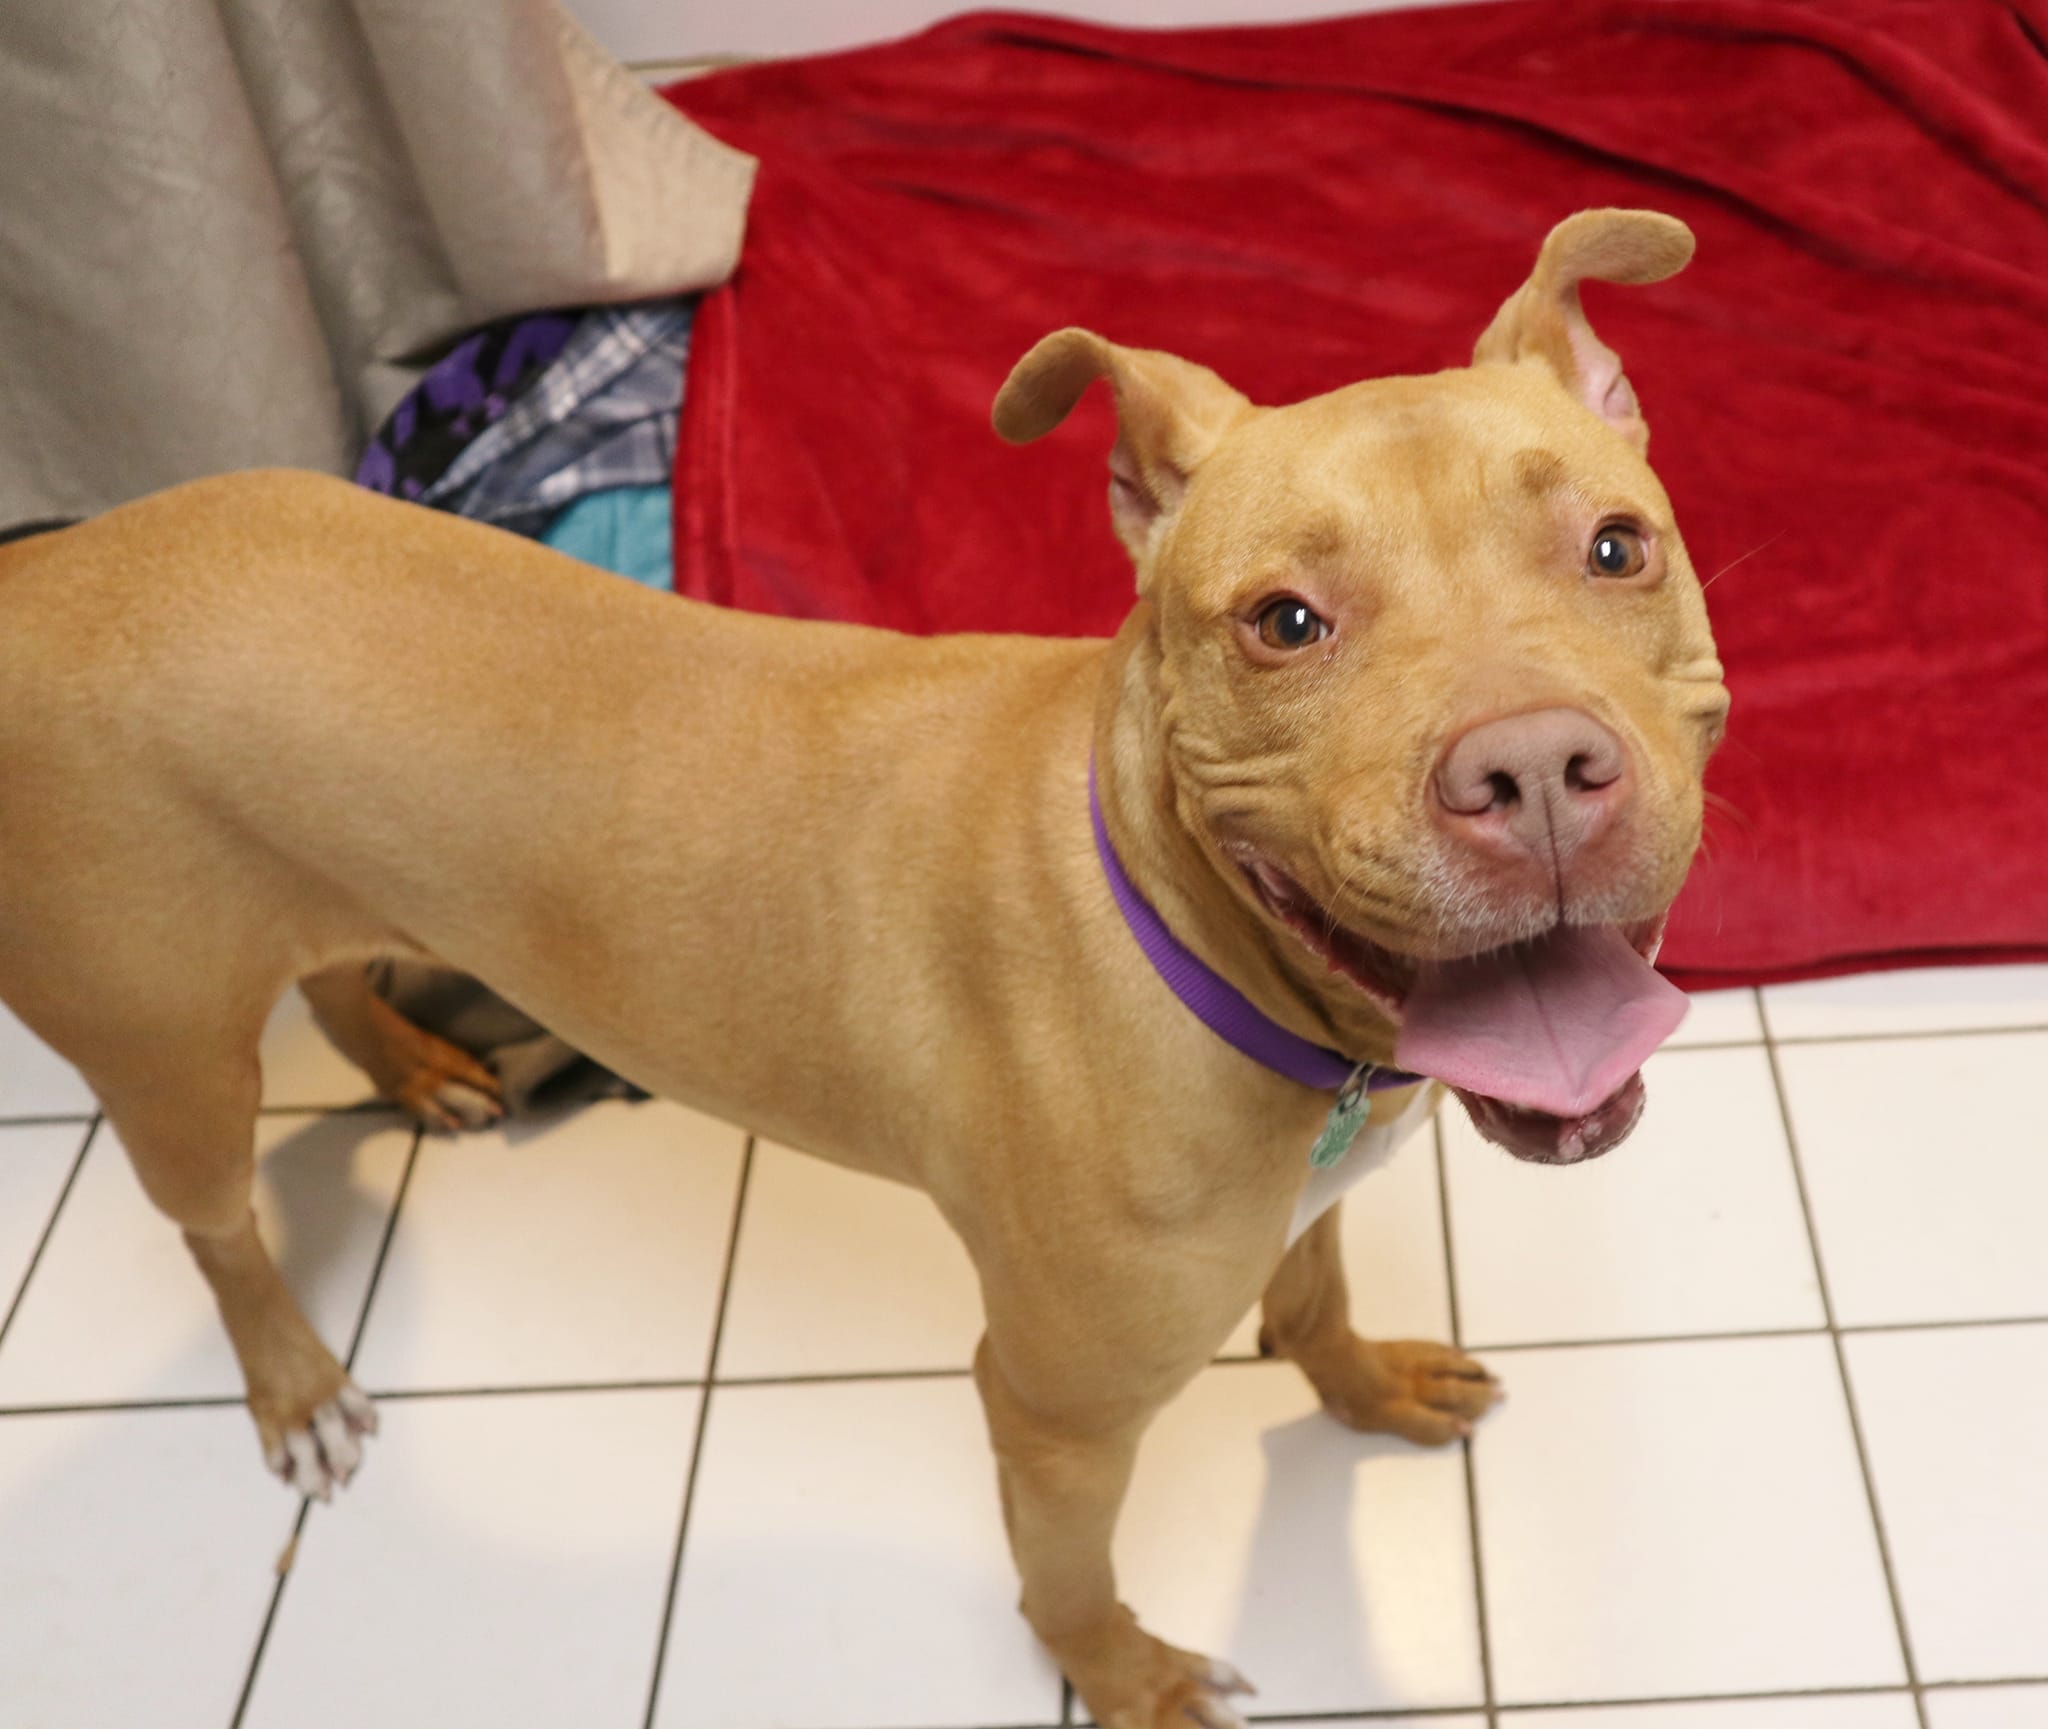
1347	1116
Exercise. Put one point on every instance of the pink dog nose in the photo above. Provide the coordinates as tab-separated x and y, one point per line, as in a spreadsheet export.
1545	783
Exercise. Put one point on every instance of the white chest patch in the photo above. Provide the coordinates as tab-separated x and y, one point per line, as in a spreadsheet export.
1373	1147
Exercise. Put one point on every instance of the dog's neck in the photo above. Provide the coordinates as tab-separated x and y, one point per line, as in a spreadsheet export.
1186	881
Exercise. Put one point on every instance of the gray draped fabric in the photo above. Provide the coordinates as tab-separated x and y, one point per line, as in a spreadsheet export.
226	226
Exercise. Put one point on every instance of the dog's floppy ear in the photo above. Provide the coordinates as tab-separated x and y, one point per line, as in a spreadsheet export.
1544	321
1170	414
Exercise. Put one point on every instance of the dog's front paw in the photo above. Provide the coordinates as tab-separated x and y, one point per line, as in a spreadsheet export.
1130	1680
1429	1394
321	1453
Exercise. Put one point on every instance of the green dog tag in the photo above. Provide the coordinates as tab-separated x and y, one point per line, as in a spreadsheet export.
1347	1116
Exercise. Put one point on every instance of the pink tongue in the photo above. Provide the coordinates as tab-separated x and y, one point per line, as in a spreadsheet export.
1554	1025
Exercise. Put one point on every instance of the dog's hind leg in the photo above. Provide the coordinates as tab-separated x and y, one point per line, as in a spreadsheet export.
438	1084
180	1090
1425	1393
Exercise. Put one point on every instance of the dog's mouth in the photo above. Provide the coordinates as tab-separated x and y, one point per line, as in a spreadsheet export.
1543	1040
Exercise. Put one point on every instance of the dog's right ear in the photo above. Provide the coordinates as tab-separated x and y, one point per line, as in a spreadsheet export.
1170	415
1544	322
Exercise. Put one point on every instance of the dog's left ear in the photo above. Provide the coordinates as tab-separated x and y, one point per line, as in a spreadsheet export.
1170	415
1544	321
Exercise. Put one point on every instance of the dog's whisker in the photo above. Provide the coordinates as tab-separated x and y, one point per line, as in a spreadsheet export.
1743	559
1727	808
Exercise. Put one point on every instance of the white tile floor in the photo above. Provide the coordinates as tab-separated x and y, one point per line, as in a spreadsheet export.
1701	1508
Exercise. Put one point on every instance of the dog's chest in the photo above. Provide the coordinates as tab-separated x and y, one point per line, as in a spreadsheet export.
1374	1145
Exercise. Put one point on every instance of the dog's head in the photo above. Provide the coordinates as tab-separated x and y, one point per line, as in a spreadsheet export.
1434	675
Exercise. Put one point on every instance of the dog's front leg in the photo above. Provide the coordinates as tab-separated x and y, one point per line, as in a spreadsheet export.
1063	1465
1422	1392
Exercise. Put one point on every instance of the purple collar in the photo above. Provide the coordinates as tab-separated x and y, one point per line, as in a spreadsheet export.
1217	1004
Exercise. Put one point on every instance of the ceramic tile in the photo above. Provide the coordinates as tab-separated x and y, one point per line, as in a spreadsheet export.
1666	1520
1435	1720
585	1248
136	1565
502	1560
1915	1000
841	1273
34	1161
34	1080
1693	1225
1720	1018
1657	1519
1955	1421
116	1309
1987	1708
1845	1711
1393	1233
1923	1160
1334	1569
846	1566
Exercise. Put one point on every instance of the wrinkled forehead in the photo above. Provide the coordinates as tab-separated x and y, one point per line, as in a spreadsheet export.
1405	476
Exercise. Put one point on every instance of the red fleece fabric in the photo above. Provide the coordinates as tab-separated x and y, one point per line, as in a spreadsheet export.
1848	389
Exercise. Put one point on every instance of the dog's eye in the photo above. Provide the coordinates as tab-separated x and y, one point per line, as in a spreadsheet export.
1288	623
1617	551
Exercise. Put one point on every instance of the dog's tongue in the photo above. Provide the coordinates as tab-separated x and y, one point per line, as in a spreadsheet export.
1555	1025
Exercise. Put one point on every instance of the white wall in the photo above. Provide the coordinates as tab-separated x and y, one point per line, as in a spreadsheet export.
657	30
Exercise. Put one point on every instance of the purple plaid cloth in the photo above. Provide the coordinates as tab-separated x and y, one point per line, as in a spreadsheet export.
602	415
466	390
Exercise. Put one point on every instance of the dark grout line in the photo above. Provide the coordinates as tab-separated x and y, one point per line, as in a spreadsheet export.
412	1156
1030	1723
675	1570
28	1273
107	1407
857	1377
1827	1303
1443	1214
1691	1045
383	1107
1867	1329
371	1107
540	1389
1517	1711
1849	1330
385	1396
412	1159
270	1616
1479	1586
1443	1197
831	1377
1887	1690
2040	1680
1736	1335
1379	1713
1801	1040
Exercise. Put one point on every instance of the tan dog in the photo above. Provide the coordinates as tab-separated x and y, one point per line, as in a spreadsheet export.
1418	669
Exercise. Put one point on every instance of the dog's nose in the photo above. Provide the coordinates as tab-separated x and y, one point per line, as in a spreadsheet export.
1544	783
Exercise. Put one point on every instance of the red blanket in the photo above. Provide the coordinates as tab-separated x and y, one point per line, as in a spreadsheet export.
1848	389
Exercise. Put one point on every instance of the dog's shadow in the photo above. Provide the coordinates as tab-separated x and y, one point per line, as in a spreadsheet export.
1302	1609
327	1192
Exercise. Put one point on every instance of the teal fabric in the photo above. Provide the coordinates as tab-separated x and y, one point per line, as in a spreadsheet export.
623	528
